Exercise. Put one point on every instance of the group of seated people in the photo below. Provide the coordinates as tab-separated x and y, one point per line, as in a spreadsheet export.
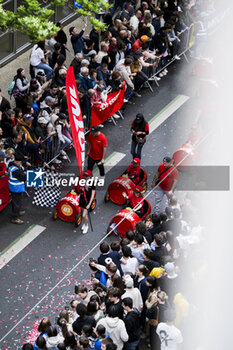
138	290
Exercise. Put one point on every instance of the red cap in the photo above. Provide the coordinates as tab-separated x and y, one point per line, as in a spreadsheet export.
138	189
87	173
136	160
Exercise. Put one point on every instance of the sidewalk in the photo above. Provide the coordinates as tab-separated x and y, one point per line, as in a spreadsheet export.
8	72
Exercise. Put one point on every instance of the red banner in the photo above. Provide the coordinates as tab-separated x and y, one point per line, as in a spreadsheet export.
76	119
105	110
4	192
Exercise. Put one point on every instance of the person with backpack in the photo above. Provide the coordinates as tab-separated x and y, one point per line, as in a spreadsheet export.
20	90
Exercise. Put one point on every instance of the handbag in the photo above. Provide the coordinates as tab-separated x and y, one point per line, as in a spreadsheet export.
140	140
150	314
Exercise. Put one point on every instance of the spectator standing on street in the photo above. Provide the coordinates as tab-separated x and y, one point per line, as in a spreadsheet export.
169	173
16	181
97	145
77	39
85	200
139	129
61	38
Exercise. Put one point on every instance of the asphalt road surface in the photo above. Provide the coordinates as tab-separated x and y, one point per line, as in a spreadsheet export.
39	280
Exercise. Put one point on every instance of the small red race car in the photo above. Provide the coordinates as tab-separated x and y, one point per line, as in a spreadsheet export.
126	219
68	209
124	184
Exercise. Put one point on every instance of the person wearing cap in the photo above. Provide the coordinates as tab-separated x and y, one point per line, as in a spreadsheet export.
134	170
131	292
87	194
139	129
167	176
17	177
41	128
47	107
96	149
138	43
26	124
135	200
77	39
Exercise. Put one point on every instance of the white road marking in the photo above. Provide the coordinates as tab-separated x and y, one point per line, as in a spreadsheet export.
111	161
167	111
20	243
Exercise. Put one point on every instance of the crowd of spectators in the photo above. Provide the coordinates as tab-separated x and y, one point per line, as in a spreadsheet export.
138	293
136	283
140	39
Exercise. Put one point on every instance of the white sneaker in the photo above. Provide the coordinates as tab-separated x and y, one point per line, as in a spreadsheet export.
161	74
157	78
116	116
125	101
56	161
101	125
176	57
165	70
85	229
63	153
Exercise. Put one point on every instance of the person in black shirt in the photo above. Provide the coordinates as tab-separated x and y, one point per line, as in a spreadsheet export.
107	256
61	38
83	319
132	324
114	299
148	256
159	248
85	199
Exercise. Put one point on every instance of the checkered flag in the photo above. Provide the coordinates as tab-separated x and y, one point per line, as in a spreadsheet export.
50	194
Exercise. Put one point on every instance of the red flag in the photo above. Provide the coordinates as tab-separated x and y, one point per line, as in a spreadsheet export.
76	119
105	110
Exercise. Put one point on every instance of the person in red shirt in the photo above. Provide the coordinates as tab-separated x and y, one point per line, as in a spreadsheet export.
2	164
134	200
138	43
133	171
97	145
164	182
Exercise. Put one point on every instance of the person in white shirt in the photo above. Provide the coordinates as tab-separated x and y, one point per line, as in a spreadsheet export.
169	335
133	293
103	52
129	264
115	327
38	60
134	21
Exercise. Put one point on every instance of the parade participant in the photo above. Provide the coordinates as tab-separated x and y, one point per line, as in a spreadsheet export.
17	188
133	171
97	145
134	200
87	195
139	129
165	171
